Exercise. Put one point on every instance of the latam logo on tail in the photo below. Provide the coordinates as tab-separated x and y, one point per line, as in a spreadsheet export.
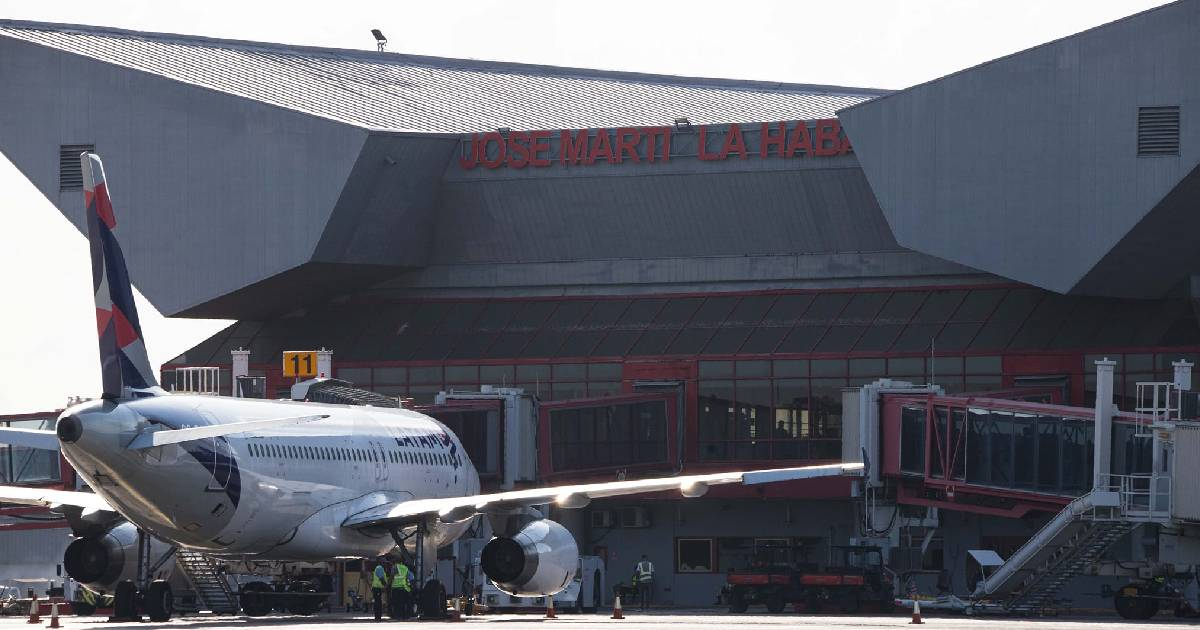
122	352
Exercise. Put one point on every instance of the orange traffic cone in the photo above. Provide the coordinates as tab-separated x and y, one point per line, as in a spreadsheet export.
34	617
617	612
916	618
550	608
54	616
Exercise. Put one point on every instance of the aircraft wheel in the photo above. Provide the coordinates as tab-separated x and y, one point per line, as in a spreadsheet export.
433	600
255	599
159	601
303	605
125	601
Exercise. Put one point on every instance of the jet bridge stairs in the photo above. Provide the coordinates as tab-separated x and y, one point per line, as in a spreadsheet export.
1071	543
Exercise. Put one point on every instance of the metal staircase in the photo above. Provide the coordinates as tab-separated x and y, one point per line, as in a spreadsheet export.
1085	543
1074	540
211	587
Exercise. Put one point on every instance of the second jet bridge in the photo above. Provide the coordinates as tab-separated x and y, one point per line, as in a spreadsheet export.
994	456
1102	472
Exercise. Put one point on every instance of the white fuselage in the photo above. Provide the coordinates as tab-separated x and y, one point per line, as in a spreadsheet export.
280	493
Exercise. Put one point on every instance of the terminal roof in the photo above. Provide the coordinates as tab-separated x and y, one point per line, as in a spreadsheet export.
398	92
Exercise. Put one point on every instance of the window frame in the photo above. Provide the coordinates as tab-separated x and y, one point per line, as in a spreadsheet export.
712	554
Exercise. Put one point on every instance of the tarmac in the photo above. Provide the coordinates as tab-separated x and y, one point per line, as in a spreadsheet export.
674	619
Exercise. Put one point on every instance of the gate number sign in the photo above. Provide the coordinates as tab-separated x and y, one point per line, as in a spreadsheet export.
300	363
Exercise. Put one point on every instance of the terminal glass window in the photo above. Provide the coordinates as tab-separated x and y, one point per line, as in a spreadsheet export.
694	555
912	440
21	465
937	453
1130	455
476	429
1010	449
760	410
621	434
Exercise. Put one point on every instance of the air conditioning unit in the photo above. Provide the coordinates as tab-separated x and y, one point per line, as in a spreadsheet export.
635	517
602	518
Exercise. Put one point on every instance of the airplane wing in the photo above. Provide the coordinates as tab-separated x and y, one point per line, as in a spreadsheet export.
161	436
456	509
29	438
51	498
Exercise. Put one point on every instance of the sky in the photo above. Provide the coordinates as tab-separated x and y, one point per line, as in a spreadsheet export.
51	352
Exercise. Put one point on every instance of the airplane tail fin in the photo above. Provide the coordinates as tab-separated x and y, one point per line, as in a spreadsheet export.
123	359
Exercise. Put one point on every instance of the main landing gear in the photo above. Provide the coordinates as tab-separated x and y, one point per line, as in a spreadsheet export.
430	594
154	598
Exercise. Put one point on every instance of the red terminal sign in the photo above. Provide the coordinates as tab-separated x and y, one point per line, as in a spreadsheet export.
585	147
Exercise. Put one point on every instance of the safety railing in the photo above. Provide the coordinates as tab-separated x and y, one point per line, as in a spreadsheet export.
1015	567
1142	497
197	380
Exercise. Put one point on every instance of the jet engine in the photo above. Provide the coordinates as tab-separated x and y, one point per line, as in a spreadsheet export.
99	562
540	559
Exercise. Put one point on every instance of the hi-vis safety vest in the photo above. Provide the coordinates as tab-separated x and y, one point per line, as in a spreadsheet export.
400	578
377	580
645	571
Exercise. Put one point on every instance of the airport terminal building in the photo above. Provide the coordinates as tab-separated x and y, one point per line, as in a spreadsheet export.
711	262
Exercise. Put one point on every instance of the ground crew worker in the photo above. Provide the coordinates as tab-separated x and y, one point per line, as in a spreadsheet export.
400	598
643	578
379	582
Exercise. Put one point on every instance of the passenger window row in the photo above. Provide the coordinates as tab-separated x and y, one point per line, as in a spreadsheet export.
336	453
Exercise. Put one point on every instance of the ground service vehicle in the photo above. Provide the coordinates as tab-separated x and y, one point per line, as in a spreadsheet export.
776	576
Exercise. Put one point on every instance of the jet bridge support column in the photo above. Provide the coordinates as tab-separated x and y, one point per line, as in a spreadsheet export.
1183	375
1103	429
325	363
240	359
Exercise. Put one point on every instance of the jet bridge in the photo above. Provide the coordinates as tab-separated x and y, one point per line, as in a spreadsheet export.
1102	472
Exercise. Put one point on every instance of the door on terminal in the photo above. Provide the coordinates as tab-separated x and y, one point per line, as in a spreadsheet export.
584	436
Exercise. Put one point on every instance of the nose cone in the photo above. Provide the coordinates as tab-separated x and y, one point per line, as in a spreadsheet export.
69	429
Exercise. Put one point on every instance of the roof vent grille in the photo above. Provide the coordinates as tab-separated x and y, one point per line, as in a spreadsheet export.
70	171
1158	130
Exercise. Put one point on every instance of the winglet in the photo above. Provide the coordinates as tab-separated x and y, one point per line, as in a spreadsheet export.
123	359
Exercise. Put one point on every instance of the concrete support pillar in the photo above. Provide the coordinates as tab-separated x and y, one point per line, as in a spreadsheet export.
325	363
1104	415
241	367
1183	375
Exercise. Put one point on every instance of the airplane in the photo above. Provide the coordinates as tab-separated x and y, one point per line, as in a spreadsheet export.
276	480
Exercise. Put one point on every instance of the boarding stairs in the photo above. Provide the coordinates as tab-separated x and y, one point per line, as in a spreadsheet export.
1074	540
212	589
1084	546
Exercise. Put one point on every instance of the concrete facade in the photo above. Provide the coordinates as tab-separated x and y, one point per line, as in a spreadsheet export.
998	166
992	230
32	554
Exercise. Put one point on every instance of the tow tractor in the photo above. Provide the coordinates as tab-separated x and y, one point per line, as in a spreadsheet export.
777	575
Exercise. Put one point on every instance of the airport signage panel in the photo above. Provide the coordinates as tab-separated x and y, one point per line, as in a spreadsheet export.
300	364
650	145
